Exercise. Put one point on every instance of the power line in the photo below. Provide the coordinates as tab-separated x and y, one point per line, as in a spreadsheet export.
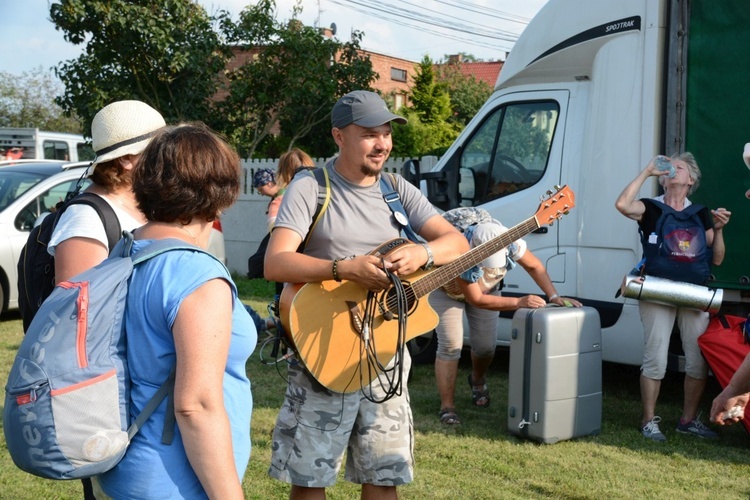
451	23
487	11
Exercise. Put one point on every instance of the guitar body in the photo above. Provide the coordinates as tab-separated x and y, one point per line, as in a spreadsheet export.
318	319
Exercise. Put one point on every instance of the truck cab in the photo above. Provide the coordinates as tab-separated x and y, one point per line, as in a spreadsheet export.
32	143
592	91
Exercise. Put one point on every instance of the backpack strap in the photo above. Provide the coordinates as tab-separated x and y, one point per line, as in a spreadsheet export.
393	199
324	199
106	214
165	390
688	211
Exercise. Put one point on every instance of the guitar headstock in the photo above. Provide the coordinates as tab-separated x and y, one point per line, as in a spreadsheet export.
555	205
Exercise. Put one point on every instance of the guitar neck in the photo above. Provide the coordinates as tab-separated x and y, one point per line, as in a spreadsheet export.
448	272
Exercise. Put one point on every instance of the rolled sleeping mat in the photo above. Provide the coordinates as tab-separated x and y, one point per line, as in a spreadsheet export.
673	293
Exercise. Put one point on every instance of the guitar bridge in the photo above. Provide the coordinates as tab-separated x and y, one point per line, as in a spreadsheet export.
355	316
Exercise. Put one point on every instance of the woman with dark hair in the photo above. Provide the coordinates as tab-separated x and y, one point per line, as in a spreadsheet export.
183	311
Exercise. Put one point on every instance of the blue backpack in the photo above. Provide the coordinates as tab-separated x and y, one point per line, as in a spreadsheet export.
67	398
677	249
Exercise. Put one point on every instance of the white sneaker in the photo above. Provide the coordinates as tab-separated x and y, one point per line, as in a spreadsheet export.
651	430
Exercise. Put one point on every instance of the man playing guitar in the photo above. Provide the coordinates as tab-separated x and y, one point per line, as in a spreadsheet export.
316	425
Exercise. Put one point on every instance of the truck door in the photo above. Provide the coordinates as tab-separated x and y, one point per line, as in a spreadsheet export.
510	157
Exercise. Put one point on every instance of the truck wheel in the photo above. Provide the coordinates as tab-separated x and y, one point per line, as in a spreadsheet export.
423	348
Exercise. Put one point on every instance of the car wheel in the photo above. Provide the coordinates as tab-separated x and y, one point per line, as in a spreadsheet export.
423	348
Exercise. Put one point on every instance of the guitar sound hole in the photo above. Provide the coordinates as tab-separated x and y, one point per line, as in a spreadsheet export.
389	301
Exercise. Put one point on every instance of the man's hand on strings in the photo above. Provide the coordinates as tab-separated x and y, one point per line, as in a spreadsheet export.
406	260
366	271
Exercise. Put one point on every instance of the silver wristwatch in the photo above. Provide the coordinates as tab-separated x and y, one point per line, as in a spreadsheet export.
430	262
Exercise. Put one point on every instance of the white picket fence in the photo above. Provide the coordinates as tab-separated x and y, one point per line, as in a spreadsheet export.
244	223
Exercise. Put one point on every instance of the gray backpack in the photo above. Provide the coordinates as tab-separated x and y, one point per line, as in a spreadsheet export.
67	398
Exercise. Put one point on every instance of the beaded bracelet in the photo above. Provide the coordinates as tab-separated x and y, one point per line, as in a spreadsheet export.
335	270
551	298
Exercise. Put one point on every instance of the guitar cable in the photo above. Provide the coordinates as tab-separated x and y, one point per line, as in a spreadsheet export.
390	379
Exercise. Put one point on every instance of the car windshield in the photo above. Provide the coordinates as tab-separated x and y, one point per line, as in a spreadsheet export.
14	184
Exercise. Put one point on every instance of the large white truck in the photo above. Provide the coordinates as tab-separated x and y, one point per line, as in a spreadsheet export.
32	143
592	90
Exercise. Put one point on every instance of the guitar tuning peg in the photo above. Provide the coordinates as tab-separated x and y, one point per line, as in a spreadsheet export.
549	192
558	187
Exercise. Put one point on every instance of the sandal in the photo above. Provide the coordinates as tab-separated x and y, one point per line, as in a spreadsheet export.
448	416
480	397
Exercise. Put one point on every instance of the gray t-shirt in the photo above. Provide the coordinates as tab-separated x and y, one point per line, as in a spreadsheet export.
357	219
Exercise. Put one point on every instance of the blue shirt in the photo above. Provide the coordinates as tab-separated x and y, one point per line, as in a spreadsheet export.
157	288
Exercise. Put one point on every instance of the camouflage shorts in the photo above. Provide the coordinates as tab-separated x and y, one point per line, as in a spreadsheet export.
315	426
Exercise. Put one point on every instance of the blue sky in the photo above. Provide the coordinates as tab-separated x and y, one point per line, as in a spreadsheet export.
29	40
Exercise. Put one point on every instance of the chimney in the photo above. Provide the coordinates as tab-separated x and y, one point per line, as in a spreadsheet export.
455	58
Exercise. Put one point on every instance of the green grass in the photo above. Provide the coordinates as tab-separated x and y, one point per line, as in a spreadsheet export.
481	459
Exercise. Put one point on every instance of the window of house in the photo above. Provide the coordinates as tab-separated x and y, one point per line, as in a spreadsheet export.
398	101
398	75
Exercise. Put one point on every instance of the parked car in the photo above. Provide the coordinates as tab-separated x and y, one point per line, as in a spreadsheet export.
28	190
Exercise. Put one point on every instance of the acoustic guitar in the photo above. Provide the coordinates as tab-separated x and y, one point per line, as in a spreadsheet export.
324	321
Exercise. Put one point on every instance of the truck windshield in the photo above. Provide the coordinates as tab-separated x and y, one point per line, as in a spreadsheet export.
509	151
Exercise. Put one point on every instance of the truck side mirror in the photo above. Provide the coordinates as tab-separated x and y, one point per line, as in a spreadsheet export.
437	189
410	171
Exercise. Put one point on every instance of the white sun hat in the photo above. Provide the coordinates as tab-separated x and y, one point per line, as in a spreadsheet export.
123	128
746	155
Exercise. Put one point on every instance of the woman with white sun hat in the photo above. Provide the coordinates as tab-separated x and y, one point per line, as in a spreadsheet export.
120	132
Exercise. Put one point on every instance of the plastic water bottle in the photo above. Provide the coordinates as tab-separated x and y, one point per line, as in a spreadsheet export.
663	163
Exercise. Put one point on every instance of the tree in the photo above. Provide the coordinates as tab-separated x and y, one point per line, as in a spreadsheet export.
291	82
429	98
28	100
429	130
467	94
417	139
162	52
